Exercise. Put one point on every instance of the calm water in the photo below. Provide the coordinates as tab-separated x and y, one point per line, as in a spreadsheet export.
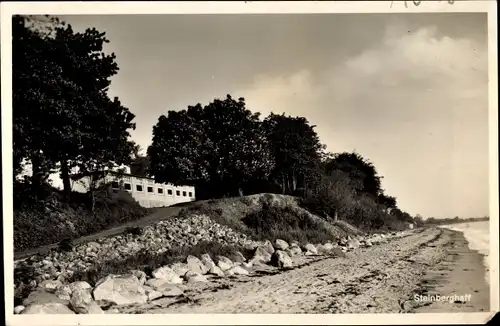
478	236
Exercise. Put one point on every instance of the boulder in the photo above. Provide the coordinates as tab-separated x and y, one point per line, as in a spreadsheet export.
94	309
281	259
207	261
79	285
80	301
141	276
164	287
215	270
168	274
353	243
64	292
237	257
152	293
50	285
19	309
192	277
47	308
280	244
120	290
294	251
224	263
42	297
195	265
310	249
237	270
179	268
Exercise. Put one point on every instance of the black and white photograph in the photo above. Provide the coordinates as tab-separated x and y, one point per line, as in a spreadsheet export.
273	160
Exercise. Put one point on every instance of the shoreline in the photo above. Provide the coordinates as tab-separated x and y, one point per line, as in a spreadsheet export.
461	274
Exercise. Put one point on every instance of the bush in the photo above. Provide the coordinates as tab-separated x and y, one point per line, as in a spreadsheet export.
133	230
51	220
66	244
287	223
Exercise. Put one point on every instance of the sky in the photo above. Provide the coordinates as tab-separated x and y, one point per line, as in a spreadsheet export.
409	92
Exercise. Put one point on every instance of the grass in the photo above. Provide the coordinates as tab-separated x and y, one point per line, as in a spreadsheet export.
286	223
52	220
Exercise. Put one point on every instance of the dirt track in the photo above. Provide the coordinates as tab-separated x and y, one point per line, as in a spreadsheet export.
379	279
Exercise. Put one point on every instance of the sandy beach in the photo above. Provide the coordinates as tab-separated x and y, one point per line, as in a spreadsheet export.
387	278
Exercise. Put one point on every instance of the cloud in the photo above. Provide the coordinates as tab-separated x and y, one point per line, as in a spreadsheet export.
415	104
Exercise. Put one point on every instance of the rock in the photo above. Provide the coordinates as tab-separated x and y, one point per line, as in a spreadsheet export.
168	274
152	293
368	243
281	259
42	297
94	309
215	270
224	263
81	301
79	285
353	243
248	265
310	250
238	257
50	285
264	250
207	261
19	309
192	277
120	290
165	288
112	311
294	251
262	258
64	292
195	265
237	270
280	244
141	276
179	268
47	308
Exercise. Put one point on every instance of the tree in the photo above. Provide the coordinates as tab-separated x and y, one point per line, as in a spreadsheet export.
217	147
296	150
62	115
387	201
358	169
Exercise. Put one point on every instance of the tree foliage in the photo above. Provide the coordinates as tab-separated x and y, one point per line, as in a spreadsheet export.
219	146
62	115
296	150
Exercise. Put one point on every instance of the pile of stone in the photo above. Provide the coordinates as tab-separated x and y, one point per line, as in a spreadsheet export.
136	287
156	238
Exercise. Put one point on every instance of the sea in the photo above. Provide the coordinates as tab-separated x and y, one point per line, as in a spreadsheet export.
478	236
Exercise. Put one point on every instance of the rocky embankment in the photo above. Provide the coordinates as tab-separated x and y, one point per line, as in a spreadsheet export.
50	292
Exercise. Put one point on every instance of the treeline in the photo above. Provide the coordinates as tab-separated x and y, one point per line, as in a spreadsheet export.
454	220
63	118
225	150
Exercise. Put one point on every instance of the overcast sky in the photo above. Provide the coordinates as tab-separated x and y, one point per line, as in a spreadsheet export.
406	91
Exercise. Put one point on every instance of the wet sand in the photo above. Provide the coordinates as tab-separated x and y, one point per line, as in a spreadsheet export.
381	279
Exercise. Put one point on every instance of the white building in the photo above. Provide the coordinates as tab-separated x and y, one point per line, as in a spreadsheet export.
145	190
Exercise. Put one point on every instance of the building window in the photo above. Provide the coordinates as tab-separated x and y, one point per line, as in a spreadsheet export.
115	185
150	189
128	186
160	191
178	192
184	194
138	187
190	194
169	191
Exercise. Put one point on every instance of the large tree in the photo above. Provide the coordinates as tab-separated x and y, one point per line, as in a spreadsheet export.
217	147
296	150
358	169
62	115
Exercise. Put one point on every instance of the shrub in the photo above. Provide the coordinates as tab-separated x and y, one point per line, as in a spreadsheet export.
66	244
287	223
133	230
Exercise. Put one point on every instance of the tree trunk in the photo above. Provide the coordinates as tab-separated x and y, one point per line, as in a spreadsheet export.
65	179
240	191
294	181
336	216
